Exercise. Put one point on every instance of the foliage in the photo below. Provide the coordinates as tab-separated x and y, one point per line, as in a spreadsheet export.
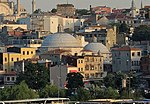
54	10
141	33
109	80
51	91
18	92
81	95
35	75
81	12
74	80
103	93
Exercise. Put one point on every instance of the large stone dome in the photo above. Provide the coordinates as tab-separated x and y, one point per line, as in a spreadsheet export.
61	40
96	47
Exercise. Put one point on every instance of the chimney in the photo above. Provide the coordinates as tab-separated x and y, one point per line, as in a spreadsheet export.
33	6
18	7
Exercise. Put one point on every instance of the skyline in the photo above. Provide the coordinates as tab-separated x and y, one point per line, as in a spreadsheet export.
50	4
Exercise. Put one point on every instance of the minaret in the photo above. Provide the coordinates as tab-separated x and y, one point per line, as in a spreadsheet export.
133	8
33	6
18	7
141	4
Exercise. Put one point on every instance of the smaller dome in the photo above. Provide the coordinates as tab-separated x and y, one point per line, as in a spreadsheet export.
96	47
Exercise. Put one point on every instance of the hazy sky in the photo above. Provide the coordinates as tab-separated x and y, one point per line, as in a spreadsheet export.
49	4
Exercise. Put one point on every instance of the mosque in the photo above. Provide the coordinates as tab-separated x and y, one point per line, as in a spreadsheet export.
9	8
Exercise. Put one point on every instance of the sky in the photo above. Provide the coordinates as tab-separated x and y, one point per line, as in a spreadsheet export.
46	5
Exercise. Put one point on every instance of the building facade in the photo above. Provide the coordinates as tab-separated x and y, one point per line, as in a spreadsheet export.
126	59
15	54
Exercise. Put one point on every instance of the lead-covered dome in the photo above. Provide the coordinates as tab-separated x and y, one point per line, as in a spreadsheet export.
61	40
96	48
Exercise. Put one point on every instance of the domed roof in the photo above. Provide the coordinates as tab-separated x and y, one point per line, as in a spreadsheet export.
96	47
60	40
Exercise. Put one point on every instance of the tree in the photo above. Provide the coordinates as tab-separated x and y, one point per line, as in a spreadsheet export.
18	92
109	80
74	82
54	10
81	12
35	75
141	33
81	95
51	91
111	93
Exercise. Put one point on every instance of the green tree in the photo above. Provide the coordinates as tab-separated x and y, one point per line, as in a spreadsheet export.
109	80
141	33
74	82
81	12
35	75
51	91
81	95
54	10
18	92
111	93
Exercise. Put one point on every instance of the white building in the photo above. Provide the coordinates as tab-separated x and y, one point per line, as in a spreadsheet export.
126	59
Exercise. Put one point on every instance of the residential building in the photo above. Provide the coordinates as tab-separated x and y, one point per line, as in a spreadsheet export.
126	59
15	54
106	36
145	64
90	66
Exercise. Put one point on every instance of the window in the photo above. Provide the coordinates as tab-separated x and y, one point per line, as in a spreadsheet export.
8	78
17	59
5	59
81	61
12	59
31	52
138	53
23	52
79	69
13	78
27	52
133	54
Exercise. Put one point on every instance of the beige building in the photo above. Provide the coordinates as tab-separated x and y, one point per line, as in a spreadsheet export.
90	66
104	35
66	9
51	23
126	59
14	26
15	54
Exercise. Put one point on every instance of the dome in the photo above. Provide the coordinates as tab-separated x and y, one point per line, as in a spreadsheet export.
60	40
96	47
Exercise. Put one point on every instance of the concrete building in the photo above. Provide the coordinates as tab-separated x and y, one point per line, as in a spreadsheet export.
50	22
104	35
66	9
90	66
145	64
15	54
126	59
